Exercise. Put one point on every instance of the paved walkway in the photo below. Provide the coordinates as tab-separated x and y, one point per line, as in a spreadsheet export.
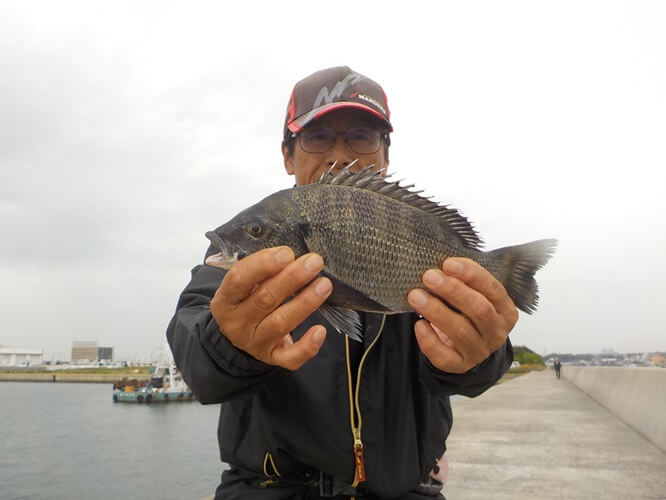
538	437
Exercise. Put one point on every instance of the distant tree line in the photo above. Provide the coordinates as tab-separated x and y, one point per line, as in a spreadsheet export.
526	356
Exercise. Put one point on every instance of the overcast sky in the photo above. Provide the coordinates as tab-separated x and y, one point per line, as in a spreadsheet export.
129	129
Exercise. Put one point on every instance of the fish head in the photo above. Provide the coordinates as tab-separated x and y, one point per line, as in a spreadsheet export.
253	229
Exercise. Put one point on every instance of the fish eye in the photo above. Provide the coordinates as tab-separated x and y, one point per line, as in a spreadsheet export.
254	228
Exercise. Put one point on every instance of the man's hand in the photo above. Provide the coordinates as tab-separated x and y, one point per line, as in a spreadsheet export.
456	341
248	305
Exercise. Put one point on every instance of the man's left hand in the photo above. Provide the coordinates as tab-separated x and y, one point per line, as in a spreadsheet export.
456	340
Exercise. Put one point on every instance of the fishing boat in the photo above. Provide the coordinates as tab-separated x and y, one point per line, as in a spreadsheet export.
166	385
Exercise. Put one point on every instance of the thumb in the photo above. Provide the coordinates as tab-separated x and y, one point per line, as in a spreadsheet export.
292	355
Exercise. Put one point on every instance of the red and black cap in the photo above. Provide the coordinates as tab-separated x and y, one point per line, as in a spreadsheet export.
330	89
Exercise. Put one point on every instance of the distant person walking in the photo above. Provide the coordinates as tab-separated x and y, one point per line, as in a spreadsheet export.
558	366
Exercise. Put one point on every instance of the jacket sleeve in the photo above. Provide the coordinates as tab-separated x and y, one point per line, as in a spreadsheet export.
212	367
472	383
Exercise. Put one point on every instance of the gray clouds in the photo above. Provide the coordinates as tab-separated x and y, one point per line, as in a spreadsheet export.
129	130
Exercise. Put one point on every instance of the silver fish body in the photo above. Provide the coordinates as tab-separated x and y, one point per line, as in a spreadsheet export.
377	238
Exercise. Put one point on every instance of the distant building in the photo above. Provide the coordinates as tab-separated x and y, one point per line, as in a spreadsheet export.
105	354
84	351
15	356
658	360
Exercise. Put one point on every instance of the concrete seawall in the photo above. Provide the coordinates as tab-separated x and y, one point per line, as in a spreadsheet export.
637	396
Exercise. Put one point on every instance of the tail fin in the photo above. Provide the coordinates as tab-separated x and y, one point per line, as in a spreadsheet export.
520	263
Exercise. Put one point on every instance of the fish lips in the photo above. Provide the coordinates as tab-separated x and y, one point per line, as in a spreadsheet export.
228	254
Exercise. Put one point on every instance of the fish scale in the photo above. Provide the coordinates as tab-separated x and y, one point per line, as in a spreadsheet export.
377	238
366	245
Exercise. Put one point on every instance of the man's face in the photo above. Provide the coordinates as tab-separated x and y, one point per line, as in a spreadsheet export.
308	167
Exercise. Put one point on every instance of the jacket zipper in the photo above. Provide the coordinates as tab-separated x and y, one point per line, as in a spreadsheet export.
359	459
270	478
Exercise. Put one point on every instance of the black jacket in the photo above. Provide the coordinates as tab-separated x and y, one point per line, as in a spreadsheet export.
275	422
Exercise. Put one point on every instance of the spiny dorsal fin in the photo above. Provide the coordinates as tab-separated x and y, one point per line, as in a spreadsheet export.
379	183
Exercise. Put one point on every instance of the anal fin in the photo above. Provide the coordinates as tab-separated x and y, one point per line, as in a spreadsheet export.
346	321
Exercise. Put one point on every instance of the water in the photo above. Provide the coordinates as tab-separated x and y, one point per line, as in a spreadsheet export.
70	441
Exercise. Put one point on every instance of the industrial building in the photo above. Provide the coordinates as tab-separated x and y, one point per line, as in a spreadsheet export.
105	354
84	351
16	356
90	351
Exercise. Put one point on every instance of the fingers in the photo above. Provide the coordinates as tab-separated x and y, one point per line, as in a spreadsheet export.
469	311
441	353
292	355
478	278
472	290
473	304
243	276
271	340
456	327
289	315
278	288
252	310
442	336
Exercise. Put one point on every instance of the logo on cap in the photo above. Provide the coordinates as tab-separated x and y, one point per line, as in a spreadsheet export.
372	101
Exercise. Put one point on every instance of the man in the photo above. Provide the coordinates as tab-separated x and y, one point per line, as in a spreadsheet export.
558	366
306	413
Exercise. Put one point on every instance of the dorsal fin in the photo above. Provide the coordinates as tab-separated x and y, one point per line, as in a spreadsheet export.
379	183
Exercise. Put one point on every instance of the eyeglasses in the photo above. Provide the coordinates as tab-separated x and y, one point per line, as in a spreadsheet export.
361	140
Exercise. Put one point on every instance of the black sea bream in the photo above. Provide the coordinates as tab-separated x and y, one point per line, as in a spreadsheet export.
377	238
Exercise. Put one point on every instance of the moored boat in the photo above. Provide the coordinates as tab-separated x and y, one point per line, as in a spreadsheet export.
166	385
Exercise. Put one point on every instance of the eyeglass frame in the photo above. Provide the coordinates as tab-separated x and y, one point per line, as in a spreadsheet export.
383	135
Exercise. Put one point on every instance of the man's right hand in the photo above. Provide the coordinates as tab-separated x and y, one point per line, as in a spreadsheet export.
248	306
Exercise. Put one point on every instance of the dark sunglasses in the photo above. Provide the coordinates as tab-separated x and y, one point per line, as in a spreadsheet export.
361	140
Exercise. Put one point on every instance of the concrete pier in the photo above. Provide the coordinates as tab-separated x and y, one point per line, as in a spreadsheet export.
539	437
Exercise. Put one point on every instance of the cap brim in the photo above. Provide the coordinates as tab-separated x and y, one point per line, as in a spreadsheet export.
300	122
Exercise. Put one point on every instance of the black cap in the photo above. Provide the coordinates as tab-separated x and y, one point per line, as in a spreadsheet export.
330	89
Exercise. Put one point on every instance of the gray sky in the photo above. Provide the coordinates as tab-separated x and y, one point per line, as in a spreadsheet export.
129	129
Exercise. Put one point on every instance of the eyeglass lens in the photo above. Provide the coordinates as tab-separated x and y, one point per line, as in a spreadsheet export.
361	140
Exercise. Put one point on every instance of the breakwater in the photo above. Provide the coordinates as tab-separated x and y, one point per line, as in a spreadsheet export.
637	396
98	378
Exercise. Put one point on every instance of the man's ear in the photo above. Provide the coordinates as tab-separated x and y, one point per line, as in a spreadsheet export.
288	159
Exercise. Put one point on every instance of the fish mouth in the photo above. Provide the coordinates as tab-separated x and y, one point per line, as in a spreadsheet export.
227	256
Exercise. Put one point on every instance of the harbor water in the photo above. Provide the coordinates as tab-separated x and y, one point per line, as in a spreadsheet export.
64	441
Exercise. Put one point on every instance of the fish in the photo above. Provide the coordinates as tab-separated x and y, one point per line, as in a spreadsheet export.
377	237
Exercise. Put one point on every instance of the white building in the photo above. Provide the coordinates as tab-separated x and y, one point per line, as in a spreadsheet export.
15	356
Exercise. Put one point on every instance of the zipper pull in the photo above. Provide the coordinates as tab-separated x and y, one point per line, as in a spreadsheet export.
359	461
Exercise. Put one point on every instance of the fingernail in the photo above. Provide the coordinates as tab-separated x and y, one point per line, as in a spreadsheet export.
453	266
433	278
319	336
283	255
313	263
419	329
323	286
418	297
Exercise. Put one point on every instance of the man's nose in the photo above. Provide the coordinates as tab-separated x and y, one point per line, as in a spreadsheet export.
341	153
